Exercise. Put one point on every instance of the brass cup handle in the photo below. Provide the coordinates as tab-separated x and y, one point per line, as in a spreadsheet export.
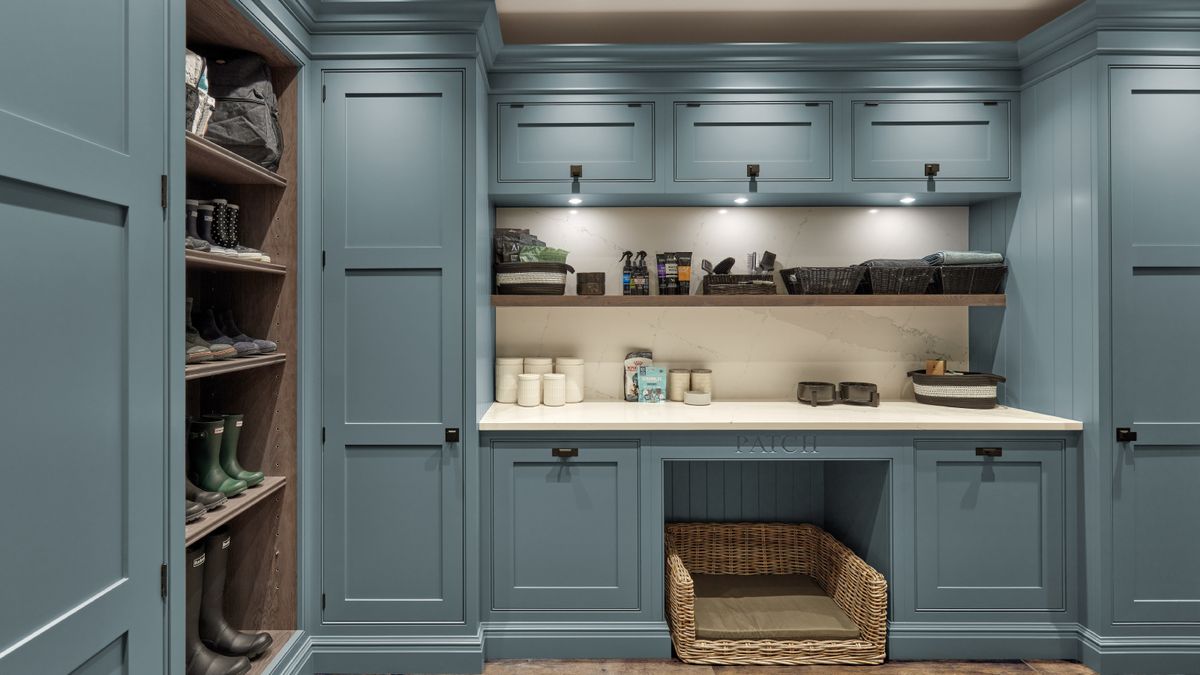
563	453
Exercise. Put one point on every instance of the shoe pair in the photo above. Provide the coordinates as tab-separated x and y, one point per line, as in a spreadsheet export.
211	335
213	645
213	456
216	227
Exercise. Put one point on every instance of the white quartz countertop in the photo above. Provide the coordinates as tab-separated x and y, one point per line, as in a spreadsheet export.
765	415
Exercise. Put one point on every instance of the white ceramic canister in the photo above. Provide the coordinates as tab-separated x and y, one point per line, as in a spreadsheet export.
678	383
573	369
702	380
554	389
538	365
529	390
507	370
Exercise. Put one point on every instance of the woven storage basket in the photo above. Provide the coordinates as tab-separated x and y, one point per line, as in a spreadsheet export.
738	284
899	280
822	280
589	283
969	279
964	390
773	548
532	278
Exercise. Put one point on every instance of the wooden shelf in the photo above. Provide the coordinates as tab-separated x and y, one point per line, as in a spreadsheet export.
199	370
996	300
234	507
279	639
213	261
206	159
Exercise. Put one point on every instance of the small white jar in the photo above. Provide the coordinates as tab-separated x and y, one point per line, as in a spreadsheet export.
573	369
529	390
702	380
678	383
554	389
538	365
507	370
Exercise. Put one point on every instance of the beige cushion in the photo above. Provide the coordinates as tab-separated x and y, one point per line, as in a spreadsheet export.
767	607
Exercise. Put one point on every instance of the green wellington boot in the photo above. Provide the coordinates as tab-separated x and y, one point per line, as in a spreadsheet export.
204	458
229	450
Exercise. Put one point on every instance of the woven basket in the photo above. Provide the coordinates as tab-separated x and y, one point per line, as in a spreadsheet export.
882	280
589	283
822	280
965	390
773	548
532	278
969	279
738	284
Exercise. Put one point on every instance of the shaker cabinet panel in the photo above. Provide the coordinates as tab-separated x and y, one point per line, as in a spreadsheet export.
538	142
789	141
893	140
565	526
990	525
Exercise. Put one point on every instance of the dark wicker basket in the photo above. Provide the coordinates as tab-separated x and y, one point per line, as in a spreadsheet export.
822	280
738	284
969	279
963	390
882	280
532	278
589	283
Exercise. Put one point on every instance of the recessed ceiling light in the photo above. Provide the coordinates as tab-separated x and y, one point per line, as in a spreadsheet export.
574	201
723	211
740	200
873	211
907	200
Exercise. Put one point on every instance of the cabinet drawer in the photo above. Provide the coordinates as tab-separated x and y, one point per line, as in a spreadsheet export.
990	529
893	140
538	142
790	141
565	526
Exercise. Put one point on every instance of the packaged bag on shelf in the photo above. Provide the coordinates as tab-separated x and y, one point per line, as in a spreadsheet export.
199	104
246	118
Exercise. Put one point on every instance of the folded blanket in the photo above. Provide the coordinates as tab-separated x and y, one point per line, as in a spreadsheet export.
964	258
888	262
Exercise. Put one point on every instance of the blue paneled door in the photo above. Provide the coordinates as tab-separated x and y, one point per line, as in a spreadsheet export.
1156	344
82	299
392	195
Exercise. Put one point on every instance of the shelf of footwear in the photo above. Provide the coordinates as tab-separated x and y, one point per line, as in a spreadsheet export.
995	300
234	507
214	261
279	639
206	159
196	371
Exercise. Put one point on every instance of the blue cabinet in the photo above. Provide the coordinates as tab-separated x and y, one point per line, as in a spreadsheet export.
565	525
895	139
789	141
990	525
539	141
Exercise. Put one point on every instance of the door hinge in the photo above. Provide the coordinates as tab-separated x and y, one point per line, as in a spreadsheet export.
162	581
322	434
322	601
322	93
164	190
1126	435
322	259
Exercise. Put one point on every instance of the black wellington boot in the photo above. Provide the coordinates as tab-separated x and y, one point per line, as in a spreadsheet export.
200	659
209	500
215	631
204	458
229	450
193	511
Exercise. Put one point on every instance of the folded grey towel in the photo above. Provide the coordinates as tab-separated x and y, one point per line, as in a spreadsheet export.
964	258
888	262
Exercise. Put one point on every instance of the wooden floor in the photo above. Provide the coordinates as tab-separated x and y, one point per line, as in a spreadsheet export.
614	667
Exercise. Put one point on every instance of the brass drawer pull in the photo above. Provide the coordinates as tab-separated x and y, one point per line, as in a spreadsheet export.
563	453
989	452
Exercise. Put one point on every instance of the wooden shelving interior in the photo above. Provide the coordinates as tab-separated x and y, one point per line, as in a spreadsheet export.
234	507
208	160
212	368
995	300
202	260
279	639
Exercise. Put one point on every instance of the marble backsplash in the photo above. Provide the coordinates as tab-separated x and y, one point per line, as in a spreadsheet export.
754	353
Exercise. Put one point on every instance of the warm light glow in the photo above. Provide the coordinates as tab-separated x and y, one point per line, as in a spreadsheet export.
723	211
907	200
574	211
873	211
574	201
740	200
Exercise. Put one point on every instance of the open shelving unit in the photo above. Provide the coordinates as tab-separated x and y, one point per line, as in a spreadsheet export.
261	590
995	300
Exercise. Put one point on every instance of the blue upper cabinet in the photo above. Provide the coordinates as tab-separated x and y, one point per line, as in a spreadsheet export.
786	141
970	141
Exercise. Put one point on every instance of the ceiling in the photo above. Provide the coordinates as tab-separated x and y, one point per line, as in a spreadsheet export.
697	21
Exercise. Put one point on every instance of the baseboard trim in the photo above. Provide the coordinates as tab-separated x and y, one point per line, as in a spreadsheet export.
1140	655
391	654
576	640
982	641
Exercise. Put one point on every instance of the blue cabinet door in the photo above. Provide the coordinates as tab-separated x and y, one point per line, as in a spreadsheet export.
893	140
565	527
789	141
392	203
538	142
990	529
1155	258
83	110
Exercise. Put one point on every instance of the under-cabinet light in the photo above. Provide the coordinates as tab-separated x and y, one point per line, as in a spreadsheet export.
574	201
873	211
723	211
740	200
907	200
574	211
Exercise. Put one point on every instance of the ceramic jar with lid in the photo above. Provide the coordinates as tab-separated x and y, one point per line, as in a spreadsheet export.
572	368
678	382
529	390
554	389
507	370
538	365
702	380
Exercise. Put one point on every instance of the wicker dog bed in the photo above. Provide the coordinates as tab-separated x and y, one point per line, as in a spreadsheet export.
773	549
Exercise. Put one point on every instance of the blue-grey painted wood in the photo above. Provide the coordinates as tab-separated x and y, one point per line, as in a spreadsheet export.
565	530
540	141
743	491
990	531
790	141
895	139
858	510
392	176
1154	161
84	137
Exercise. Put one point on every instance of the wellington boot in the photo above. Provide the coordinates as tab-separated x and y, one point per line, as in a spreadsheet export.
193	511
229	450
201	660
215	631
204	458
209	500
